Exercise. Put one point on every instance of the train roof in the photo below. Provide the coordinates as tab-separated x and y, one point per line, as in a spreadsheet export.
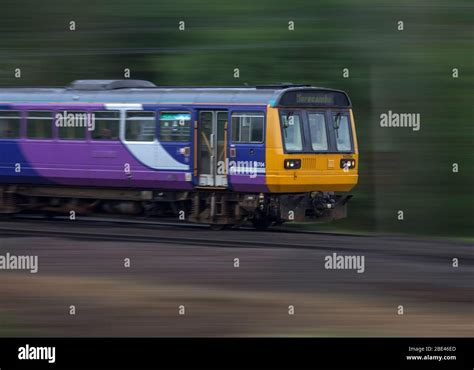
145	92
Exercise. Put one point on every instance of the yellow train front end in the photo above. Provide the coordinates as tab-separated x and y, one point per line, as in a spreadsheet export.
316	172
312	156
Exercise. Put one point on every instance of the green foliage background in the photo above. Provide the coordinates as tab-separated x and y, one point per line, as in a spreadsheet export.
407	71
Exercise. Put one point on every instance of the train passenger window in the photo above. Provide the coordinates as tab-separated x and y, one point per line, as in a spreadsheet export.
72	125
317	128
341	128
71	133
9	124
247	127
39	125
292	137
107	126
140	126
175	126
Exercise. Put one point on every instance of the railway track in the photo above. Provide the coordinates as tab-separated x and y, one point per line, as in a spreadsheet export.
17	229
142	223
151	232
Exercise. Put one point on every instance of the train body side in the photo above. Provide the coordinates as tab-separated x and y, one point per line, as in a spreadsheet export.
156	165
164	166
87	162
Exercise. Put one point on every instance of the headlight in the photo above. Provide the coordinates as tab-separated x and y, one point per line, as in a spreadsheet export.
347	163
292	164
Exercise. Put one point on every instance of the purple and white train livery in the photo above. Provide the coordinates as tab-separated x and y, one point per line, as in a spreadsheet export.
128	146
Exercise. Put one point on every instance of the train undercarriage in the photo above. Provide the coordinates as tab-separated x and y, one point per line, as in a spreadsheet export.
218	207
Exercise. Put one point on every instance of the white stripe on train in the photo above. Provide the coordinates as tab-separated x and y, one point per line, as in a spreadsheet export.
150	154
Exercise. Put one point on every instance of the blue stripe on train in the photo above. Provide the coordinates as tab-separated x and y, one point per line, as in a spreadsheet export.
14	167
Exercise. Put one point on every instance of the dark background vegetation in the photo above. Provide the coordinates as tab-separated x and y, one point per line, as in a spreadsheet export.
407	71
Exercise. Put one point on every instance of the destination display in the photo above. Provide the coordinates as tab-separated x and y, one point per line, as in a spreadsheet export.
314	98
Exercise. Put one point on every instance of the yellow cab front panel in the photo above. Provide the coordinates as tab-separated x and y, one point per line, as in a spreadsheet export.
311	150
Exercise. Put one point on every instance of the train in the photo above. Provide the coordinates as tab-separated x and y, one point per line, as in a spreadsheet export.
222	156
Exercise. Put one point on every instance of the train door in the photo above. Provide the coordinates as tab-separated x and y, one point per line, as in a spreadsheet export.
212	144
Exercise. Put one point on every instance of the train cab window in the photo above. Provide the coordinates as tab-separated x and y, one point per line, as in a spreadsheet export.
342	132
291	128
317	129
107	126
140	126
39	125
9	124
175	126
247	127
